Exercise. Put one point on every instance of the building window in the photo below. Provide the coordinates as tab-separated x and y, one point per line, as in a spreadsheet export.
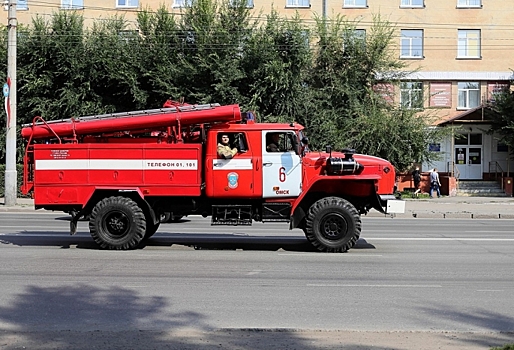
127	3
411	95
355	3
353	39
468	43
72	4
359	34
297	3
235	3
502	147
411	43
469	95
22	5
411	3
182	3
469	3
128	35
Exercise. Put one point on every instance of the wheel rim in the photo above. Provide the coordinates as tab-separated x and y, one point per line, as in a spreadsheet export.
116	224
333	227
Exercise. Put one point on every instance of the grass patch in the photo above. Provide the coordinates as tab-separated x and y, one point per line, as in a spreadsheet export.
409	194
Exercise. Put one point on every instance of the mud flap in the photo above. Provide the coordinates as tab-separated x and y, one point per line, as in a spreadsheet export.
74	222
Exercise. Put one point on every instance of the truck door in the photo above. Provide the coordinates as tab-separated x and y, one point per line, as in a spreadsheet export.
232	177
281	165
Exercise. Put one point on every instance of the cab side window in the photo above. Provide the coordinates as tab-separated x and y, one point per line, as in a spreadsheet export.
230	144
279	142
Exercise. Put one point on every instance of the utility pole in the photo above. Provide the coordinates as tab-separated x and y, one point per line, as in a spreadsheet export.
11	188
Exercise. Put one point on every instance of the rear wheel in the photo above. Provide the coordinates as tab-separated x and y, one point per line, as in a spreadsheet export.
333	225
117	223
175	218
151	228
168	217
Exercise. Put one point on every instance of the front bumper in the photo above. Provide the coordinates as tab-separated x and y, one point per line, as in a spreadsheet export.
388	204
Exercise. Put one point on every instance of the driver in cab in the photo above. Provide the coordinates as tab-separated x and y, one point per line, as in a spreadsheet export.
224	149
273	143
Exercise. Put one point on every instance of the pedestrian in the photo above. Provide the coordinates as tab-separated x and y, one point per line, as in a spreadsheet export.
435	184
416	177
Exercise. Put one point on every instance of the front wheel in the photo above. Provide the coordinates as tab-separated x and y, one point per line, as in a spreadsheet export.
117	223
333	225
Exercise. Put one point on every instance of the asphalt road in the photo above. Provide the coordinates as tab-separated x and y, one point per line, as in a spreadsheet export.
452	278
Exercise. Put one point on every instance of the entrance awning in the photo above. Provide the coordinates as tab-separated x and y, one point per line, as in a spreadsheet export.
478	115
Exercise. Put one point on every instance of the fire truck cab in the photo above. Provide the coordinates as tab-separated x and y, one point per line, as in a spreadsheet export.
254	171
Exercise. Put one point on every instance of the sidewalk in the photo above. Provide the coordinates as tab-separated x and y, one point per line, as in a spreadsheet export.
457	208
444	207
22	204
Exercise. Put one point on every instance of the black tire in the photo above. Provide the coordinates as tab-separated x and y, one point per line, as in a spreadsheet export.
333	225
151	228
167	217
175	218
117	223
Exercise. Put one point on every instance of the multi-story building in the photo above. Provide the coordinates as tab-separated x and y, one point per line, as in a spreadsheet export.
459	50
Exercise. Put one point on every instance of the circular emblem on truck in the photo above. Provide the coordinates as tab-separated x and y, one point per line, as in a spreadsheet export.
6	90
232	180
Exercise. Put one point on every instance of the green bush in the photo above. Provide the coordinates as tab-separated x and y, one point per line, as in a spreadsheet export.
19	169
505	347
409	194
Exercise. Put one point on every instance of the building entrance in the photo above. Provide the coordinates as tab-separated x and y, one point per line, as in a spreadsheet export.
468	156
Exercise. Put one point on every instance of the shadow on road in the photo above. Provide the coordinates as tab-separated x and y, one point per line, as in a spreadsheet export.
476	318
86	317
198	241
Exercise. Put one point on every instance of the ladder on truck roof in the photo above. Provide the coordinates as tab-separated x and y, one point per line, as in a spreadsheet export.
118	115
149	119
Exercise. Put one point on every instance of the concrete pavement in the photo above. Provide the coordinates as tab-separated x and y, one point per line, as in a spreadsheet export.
444	207
22	204
457	208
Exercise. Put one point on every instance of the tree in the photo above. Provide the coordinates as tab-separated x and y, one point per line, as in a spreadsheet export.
53	76
276	62
503	119
114	66
351	112
322	76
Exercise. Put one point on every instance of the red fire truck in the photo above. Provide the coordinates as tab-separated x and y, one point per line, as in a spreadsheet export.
128	171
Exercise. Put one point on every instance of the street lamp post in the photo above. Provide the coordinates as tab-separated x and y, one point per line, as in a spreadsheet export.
10	106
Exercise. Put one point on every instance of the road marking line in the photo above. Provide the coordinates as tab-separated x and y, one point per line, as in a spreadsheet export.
378	285
323	255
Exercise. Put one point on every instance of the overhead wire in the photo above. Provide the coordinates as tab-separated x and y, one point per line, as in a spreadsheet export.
487	41
389	10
